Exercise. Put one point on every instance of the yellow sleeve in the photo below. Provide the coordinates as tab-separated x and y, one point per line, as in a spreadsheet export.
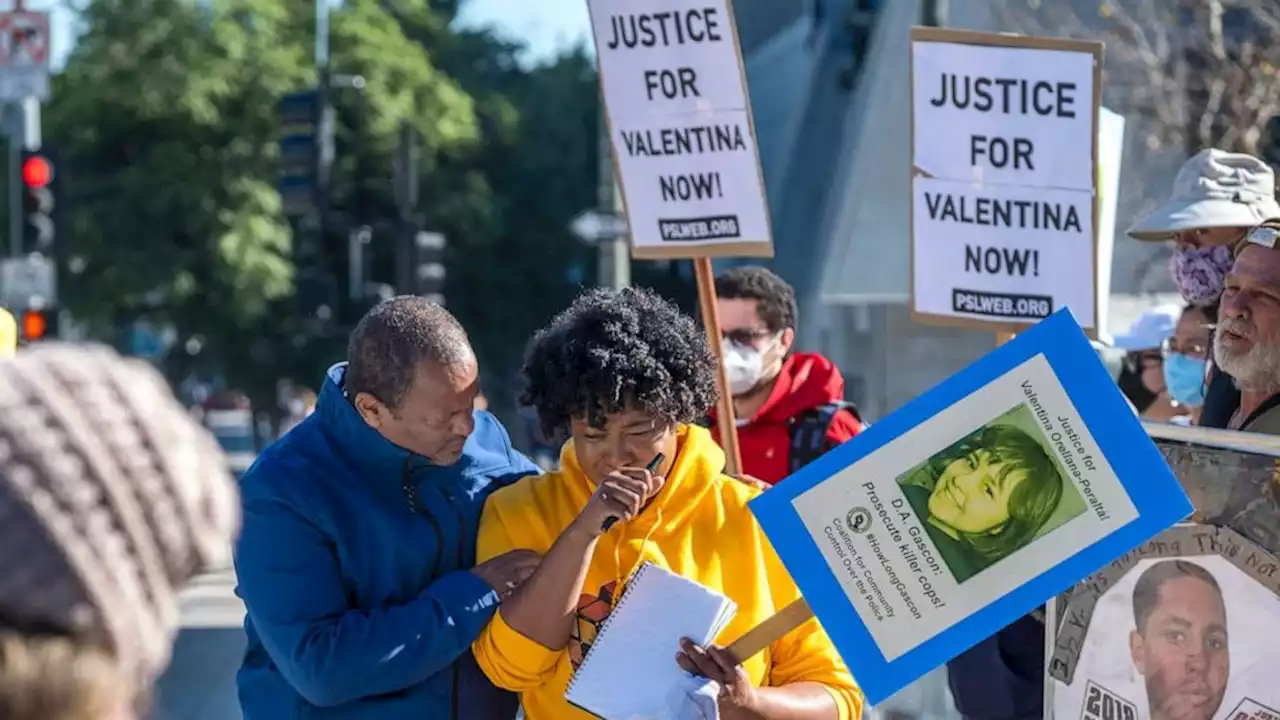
806	653
510	660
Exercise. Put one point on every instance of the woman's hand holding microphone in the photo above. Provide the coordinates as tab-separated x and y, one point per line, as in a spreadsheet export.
620	497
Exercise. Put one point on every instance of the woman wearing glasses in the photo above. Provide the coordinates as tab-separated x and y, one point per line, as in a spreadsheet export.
1142	376
1186	359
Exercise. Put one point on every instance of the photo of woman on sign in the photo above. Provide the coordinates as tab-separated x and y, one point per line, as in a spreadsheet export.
989	494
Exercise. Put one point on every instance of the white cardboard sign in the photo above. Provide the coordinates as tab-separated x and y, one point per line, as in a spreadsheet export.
1004	178
681	129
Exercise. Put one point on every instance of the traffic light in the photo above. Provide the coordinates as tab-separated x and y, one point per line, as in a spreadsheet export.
39	325
306	152
40	196
428	265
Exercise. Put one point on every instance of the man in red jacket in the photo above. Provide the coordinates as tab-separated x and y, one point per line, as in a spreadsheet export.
789	405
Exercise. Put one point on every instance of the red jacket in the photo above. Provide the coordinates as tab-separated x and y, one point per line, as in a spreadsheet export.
807	381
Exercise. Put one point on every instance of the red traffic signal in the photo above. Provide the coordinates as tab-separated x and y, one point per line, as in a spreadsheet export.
37	171
34	325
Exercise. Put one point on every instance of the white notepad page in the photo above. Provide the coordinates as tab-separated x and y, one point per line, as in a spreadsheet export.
631	666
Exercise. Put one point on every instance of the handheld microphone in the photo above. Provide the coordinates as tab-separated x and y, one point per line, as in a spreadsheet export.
652	467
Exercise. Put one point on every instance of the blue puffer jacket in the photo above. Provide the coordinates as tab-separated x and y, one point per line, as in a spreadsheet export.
358	607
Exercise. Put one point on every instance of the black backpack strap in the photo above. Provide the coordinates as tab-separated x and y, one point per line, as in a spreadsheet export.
809	432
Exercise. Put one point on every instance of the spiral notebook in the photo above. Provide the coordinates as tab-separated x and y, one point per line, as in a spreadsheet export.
631	665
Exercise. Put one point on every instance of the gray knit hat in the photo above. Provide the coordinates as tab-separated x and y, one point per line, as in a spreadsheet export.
111	498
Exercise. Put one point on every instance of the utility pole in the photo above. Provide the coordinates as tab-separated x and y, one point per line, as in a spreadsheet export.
408	223
322	39
324	136
934	13
359	230
615	255
23	120
16	125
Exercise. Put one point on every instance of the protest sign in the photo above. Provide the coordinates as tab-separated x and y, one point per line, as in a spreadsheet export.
1187	624
1110	157
970	506
681	128
1004	177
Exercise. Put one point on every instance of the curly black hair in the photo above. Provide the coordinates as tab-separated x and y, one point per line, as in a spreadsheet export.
617	349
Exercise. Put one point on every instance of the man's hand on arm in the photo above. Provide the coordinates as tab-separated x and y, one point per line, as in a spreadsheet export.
508	571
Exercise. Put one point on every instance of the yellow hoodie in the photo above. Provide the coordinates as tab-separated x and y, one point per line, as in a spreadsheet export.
699	527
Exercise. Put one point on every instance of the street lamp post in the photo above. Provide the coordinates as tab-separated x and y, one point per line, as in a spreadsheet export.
614	255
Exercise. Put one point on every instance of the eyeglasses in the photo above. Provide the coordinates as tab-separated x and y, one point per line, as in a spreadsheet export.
1173	346
746	337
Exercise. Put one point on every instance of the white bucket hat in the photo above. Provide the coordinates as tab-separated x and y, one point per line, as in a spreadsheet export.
1214	189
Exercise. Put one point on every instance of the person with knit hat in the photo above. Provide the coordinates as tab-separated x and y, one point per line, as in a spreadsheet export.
111	498
357	559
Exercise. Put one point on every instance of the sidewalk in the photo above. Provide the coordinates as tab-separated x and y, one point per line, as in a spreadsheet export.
200	682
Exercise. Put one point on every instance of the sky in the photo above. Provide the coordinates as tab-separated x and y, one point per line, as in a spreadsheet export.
545	25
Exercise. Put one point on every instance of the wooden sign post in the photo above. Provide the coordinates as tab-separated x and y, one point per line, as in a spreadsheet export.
684	149
726	422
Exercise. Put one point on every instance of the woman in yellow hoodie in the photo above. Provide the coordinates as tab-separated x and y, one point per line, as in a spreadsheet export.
625	372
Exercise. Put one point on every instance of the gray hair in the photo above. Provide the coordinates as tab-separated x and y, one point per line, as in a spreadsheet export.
394	339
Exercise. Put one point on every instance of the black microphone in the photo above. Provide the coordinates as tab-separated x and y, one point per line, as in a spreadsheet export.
652	467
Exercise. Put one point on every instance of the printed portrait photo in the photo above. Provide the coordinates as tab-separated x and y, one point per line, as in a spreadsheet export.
991	493
1179	638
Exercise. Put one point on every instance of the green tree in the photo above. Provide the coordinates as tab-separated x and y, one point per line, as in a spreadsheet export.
163	119
165	115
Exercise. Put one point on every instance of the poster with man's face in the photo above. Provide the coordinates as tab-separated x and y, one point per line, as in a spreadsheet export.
1187	625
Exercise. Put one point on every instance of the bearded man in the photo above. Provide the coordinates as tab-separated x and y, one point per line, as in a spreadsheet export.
1247	343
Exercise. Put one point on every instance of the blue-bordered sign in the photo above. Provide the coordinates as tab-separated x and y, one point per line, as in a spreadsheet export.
971	506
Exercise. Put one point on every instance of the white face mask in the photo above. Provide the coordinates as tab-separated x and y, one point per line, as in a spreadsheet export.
745	367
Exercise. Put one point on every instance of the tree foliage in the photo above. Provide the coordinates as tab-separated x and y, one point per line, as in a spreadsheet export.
165	118
1190	74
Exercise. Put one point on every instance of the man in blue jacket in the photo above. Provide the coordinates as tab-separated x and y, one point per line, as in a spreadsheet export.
355	561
